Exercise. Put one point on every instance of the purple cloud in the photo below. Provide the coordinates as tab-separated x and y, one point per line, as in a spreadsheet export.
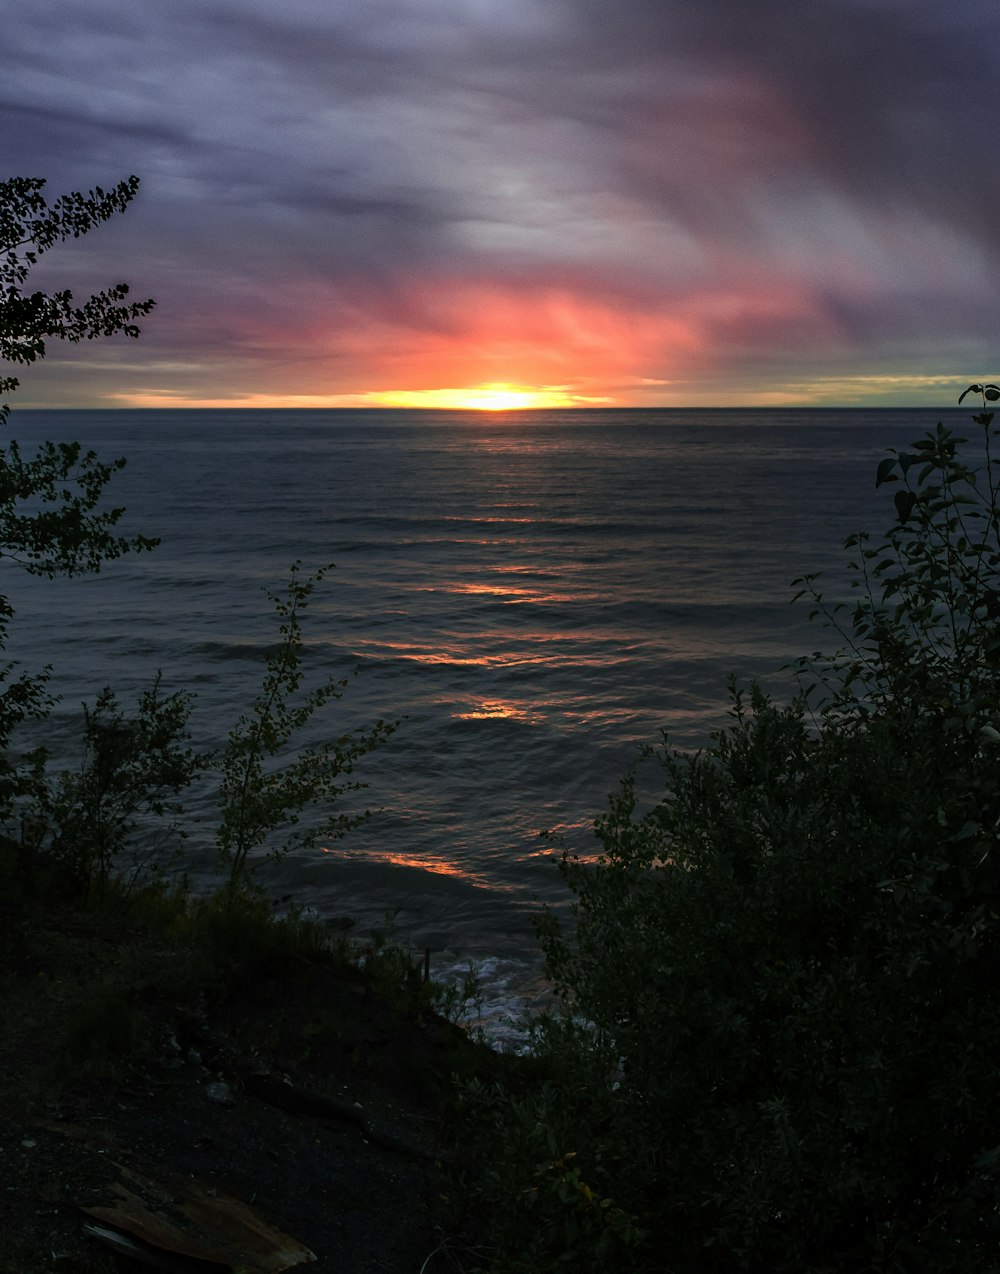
778	191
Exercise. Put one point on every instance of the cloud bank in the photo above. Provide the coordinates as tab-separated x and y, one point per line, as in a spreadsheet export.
653	203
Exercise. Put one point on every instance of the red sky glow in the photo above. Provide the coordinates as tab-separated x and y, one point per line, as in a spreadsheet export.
507	204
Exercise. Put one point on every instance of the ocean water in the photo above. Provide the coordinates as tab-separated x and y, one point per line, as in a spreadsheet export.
533	595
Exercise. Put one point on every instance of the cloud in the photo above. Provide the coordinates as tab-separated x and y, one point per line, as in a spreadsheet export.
883	102
708	192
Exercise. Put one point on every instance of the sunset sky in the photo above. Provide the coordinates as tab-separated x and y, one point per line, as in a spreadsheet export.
520	202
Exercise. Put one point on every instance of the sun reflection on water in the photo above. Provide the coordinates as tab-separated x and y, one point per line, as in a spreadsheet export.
433	864
498	710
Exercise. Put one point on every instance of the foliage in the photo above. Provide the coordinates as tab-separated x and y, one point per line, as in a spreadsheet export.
53	520
52	516
461	1001
545	1179
124	795
242	937
118	815
263	791
49	517
29	227
781	1043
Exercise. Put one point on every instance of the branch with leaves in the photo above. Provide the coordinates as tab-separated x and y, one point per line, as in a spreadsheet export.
29	227
52	515
265	784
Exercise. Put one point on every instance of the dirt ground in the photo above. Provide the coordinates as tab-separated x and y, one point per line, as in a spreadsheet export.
237	1126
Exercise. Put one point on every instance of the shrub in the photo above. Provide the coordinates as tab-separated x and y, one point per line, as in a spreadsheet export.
782	1034
79	824
264	786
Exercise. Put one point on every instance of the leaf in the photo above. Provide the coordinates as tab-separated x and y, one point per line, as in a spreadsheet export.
904	502
884	473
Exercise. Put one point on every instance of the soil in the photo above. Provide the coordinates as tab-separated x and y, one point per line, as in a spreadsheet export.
130	1081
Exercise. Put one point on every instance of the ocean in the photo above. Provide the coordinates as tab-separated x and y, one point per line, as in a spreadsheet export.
532	595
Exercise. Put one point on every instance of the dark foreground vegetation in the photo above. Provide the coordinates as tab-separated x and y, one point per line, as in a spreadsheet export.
779	1050
783	1045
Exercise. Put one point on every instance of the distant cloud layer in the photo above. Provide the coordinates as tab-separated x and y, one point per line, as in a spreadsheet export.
653	202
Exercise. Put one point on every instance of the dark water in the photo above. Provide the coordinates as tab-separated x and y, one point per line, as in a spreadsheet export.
535	594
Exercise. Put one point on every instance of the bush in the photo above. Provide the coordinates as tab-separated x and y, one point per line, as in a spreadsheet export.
782	1044
266	782
121	802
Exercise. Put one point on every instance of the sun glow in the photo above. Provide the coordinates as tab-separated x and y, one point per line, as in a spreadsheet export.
499	396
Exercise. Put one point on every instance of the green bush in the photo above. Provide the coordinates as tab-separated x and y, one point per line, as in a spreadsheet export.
781	1050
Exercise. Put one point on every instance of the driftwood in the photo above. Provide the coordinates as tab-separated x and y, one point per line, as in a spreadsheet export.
193	1228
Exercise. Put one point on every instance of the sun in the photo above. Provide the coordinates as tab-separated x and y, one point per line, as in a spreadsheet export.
512	398
498	396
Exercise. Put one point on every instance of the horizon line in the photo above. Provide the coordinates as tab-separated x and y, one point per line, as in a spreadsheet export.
488	412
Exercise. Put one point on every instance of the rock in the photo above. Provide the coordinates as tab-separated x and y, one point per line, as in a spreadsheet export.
221	1093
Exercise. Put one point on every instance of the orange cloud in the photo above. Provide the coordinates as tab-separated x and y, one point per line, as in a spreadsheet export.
467	336
484	344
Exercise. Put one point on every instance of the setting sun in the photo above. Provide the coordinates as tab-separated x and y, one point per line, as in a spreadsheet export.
493	397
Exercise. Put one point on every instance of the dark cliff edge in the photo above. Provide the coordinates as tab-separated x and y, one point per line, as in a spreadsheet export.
165	1107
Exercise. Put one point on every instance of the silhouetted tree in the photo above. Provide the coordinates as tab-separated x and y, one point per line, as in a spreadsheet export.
51	519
